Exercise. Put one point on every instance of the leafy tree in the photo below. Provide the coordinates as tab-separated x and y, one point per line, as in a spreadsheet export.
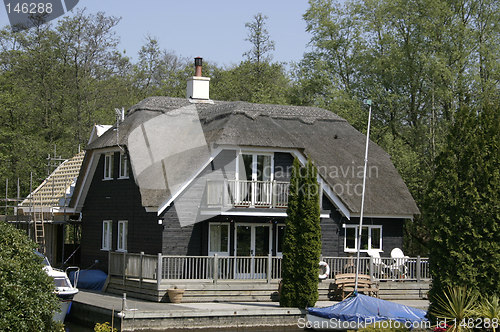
302	242
159	72
260	39
55	84
27	298
420	61
462	207
256	79
251	82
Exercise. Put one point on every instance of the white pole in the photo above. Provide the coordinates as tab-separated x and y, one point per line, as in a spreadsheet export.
358	242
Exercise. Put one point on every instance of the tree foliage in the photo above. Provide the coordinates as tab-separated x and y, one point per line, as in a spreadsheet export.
27	298
260	39
419	61
302	242
57	82
159	72
251	82
257	79
462	206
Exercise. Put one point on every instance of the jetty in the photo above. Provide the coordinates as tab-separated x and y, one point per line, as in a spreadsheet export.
131	314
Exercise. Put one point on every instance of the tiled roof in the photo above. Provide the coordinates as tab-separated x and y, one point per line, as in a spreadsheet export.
56	186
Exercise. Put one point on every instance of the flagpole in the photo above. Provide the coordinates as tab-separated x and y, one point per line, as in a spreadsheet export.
358	242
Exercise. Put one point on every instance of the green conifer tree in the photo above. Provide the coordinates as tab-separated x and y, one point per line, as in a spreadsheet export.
309	239
289	269
462	206
302	243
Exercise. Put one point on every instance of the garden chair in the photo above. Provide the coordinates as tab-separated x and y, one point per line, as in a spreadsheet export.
398	267
379	267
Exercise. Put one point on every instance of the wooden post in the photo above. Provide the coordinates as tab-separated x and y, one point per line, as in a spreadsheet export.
216	268
124	267
372	273
140	269
159	270
109	262
269	267
418	269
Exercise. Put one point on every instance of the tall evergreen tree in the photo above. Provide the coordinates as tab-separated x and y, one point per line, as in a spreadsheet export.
462	207
290	266
302	243
308	239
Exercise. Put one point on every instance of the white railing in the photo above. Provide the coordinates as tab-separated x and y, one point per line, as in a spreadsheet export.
247	193
215	268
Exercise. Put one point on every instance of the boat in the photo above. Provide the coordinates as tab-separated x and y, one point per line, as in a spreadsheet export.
64	290
360	311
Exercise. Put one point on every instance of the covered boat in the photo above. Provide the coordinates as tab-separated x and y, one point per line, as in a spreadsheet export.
359	311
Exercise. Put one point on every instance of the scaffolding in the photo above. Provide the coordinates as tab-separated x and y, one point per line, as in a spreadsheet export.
48	205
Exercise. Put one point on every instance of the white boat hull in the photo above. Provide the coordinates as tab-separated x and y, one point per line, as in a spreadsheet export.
59	316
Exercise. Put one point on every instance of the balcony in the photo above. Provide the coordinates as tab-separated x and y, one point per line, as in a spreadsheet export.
244	193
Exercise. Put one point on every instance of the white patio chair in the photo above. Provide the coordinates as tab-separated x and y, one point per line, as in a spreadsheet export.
398	268
378	265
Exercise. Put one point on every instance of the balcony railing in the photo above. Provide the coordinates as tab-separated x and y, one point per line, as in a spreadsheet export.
243	193
223	268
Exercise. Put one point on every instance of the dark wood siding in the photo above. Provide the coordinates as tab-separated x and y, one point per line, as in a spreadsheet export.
333	232
330	241
117	199
177	240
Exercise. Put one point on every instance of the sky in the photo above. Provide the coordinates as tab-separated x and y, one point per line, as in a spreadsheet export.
214	30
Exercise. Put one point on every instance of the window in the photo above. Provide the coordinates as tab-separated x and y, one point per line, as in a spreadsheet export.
280	235
123	166
122	235
108	166
255	167
106	235
219	239
254	173
371	238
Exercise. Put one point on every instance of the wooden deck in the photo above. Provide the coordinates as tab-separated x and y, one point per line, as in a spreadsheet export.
213	278
244	291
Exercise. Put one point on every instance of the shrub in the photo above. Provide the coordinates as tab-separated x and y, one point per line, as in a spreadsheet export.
27	298
456	305
104	327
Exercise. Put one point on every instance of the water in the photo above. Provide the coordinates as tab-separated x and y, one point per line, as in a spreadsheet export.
72	327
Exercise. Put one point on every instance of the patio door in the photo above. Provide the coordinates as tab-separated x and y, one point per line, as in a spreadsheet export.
253	245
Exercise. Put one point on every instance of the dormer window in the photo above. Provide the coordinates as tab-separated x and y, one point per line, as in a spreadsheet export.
123	166
108	166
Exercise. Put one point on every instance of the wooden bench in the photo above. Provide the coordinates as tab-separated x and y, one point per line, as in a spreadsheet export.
345	284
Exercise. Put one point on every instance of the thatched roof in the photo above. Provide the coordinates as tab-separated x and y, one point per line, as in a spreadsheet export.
336	148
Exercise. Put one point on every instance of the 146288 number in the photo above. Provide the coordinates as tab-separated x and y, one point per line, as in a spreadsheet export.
30	8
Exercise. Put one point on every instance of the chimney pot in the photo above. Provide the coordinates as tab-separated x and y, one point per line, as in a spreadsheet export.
198	64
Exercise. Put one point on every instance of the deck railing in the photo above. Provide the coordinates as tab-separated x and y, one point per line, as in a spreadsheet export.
222	268
247	193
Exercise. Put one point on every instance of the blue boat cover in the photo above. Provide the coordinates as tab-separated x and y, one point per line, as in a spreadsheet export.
369	309
90	279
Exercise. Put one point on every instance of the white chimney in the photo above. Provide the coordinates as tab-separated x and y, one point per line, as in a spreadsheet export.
197	86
